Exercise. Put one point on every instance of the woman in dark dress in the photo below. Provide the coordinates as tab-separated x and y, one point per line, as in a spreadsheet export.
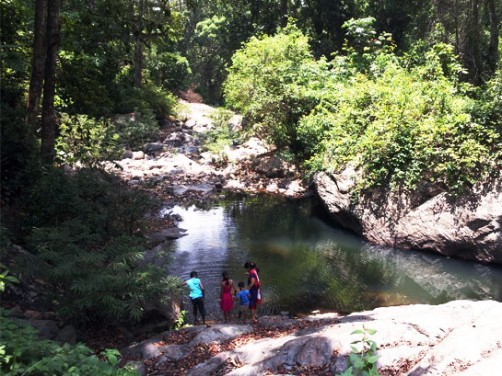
254	288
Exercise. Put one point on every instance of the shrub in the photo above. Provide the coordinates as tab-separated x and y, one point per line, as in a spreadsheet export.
400	127
87	246
221	134
363	358
147	99
137	130
23	353
86	140
274	81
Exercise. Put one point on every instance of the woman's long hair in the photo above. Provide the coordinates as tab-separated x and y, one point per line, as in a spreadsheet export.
251	265
225	277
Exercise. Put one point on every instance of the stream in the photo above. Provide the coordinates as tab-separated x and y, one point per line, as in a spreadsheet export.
307	264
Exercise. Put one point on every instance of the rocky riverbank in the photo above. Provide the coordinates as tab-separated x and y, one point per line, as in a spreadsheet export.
177	167
468	226
457	338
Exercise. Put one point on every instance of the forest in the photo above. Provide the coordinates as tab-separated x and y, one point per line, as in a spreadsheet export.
408	92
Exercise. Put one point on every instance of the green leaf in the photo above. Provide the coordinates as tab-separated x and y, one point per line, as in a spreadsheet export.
370	331
372	359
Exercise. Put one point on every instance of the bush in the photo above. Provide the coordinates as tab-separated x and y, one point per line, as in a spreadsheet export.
401	127
274	81
147	99
168	70
138	129
22	353
88	249
221	135
85	140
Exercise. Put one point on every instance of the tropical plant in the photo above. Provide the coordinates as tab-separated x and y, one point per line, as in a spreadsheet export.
86	141
23	353
362	360
85	237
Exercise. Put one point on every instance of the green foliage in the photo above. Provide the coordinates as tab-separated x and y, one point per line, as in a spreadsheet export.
169	70
22	353
84	86
402	121
87	247
401	127
363	47
221	135
363	358
181	321
273	81
6	279
137	129
149	98
85	140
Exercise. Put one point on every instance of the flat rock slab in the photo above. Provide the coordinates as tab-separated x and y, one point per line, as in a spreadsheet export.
456	338
220	333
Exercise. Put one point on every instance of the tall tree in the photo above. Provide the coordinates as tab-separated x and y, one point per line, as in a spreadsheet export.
493	47
48	133
38	64
471	48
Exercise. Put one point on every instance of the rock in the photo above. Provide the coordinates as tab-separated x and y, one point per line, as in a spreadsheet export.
192	151
219	333
167	234
273	167
128	154
153	148
457	338
150	350
175	139
173	352
67	335
469	226
180	190
47	329
137	155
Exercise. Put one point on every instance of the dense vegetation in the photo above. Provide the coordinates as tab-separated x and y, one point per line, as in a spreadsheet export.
403	120
409	94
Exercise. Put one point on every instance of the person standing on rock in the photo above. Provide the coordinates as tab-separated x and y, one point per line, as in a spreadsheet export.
254	288
196	296
226	299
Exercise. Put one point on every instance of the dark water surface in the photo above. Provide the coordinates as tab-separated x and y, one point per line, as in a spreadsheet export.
306	264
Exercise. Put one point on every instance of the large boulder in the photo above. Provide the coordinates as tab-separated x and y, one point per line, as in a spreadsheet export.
457	338
467	226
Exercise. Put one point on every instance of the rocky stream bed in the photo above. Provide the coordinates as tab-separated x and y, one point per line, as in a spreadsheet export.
457	338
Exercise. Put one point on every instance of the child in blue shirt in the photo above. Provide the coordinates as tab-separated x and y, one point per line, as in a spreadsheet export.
243	297
196	296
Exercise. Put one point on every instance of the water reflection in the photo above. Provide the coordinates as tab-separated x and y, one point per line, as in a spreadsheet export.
306	264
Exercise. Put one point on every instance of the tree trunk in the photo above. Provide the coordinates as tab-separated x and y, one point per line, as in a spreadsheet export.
472	51
493	47
48	111
284	13
138	51
138	63
37	65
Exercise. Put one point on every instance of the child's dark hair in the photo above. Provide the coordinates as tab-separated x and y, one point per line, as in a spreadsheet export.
225	277
193	274
251	265
241	284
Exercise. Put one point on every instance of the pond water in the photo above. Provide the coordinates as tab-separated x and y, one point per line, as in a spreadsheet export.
307	264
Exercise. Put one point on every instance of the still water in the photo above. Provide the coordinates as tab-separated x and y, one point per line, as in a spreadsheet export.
307	264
